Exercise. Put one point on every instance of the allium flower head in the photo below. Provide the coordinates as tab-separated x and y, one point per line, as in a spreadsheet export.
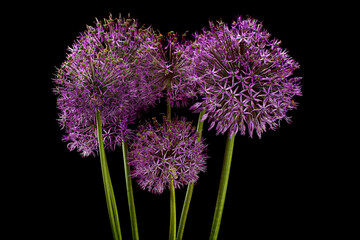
164	152
170	58
245	77
102	73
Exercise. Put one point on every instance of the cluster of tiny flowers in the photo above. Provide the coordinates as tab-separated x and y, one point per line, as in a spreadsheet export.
244	77
161	153
101	73
170	56
117	69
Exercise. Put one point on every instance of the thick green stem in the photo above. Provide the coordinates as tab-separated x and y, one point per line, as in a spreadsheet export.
113	204
224	179
190	187
172	229
185	211
130	195
109	192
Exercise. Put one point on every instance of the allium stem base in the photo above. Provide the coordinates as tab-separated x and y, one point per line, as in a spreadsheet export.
224	179
185	211
172	229
190	187
129	191
109	191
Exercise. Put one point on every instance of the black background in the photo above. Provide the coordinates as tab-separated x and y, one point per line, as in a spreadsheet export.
278	187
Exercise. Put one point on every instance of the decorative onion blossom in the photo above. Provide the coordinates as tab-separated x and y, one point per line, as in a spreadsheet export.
103	72
164	152
170	57
244	76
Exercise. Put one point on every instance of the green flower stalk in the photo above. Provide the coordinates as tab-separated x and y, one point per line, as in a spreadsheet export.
109	192
172	229
224	179
190	187
129	191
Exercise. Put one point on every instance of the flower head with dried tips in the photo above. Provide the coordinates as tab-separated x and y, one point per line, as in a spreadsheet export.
101	73
170	57
164	152
245	77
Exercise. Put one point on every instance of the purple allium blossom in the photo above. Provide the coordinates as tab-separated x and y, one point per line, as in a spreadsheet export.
170	57
102	72
164	152
245	77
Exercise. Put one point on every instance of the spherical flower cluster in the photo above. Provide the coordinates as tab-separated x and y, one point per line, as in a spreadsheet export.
161	153
245	77
102	73
170	56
